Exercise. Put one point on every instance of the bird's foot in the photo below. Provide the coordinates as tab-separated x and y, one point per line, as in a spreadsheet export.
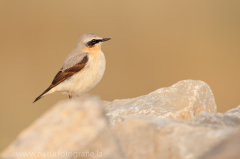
70	96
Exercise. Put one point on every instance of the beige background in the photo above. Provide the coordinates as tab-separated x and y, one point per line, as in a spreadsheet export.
154	44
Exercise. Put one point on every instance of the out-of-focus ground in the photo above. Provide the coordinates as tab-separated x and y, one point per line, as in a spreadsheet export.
154	44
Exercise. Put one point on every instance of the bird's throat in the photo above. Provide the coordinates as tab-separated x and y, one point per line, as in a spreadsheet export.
95	48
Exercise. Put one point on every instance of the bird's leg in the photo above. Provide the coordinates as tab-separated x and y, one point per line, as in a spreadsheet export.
70	95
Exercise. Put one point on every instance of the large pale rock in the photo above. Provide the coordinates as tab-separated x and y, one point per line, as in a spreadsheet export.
71	129
147	137
183	100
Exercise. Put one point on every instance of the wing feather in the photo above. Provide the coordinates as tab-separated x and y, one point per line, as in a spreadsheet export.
65	73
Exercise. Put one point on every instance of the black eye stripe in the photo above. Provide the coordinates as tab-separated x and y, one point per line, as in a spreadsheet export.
93	42
96	41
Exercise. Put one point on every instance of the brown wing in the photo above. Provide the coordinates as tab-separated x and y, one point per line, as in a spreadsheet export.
63	75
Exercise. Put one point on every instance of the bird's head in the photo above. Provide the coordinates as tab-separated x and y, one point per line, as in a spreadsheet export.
91	42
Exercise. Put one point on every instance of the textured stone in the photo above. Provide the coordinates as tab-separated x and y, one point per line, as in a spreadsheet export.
76	126
234	112
147	137
227	149
183	100
217	120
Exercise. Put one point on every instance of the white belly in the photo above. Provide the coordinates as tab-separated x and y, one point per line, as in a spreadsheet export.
86	78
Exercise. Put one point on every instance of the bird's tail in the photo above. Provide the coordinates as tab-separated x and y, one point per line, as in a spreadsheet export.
42	95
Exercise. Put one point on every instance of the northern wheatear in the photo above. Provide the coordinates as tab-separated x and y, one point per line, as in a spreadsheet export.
82	69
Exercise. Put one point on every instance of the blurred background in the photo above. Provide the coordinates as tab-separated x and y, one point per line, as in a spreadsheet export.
154	44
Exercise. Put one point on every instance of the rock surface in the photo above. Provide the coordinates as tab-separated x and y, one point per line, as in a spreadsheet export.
227	149
183	100
71	129
147	137
179	122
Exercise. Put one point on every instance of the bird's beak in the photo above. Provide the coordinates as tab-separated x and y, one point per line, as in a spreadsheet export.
105	39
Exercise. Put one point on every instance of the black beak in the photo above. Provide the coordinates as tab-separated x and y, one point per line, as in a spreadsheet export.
105	39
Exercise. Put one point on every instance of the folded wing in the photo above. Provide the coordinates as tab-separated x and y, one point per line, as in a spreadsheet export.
69	68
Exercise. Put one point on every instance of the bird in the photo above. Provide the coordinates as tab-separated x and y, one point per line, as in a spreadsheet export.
82	69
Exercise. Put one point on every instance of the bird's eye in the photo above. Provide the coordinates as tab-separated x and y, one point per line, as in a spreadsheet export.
92	43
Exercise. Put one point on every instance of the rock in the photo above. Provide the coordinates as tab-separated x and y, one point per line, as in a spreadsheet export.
183	100
74	128
227	149
179	122
217	120
234	112
147	137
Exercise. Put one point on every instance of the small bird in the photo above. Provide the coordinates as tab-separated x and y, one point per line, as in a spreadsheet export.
82	69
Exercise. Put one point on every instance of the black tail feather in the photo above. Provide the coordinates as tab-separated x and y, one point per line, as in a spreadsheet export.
39	97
